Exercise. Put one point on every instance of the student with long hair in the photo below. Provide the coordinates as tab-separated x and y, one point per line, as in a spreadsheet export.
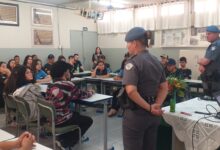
39	75
28	61
4	75
96	56
11	64
21	84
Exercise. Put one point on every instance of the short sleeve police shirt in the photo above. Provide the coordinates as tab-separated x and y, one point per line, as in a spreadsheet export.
213	51
145	72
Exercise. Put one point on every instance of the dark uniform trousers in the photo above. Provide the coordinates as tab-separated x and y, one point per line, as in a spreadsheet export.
140	130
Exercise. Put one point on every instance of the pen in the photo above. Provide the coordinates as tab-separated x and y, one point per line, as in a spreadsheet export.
185	113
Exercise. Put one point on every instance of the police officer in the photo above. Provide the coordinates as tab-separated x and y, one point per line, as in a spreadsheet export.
146	87
210	64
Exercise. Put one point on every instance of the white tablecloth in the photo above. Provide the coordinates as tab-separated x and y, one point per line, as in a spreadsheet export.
206	133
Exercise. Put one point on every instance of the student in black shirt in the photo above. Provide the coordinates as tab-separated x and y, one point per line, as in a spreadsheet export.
173	71
185	72
77	64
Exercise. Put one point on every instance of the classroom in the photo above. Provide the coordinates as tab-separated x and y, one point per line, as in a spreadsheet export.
110	74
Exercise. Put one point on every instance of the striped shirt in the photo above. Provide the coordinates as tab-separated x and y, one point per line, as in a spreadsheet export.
61	93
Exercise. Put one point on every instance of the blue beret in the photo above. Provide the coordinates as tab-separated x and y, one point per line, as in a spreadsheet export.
135	34
171	61
212	28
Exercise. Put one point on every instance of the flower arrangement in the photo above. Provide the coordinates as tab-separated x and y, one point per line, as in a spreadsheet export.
176	86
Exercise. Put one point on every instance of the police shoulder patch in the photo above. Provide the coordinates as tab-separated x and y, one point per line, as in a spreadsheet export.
129	66
213	48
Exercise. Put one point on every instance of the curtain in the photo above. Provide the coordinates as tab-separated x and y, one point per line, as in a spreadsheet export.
104	26
123	20
116	21
146	17
173	15
206	13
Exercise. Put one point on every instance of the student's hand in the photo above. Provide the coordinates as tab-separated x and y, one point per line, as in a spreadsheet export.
91	91
156	109
93	74
27	142
19	140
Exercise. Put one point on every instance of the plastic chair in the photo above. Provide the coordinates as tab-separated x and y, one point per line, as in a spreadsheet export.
47	110
24	110
10	106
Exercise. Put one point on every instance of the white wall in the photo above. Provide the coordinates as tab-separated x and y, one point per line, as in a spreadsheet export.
20	37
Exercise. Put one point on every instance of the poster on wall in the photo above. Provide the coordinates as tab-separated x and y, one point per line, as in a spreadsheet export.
9	14
41	16
198	37
42	37
174	37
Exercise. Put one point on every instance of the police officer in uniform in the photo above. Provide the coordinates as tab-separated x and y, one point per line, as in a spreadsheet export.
146	86
210	64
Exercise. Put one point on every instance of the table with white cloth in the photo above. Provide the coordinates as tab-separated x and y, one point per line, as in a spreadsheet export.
206	132
5	136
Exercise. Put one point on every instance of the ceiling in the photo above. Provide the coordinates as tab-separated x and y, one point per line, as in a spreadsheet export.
93	4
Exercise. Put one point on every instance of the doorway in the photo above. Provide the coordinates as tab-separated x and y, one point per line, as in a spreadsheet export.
84	43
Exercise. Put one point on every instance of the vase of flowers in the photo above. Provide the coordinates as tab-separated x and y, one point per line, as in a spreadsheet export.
176	88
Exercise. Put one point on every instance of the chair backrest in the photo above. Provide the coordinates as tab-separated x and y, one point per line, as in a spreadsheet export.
46	109
9	101
22	107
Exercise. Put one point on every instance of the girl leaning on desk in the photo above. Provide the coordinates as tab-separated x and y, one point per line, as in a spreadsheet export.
24	142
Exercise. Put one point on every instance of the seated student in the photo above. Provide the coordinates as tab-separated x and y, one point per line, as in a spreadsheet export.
39	75
24	142
164	61
102	58
48	65
17	60
28	61
71	64
77	64
61	93
4	75
11	64
100	70
21	84
115	105
173	71
61	58
185	72
34	57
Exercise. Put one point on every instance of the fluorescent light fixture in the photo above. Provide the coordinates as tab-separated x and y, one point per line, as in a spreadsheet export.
43	13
